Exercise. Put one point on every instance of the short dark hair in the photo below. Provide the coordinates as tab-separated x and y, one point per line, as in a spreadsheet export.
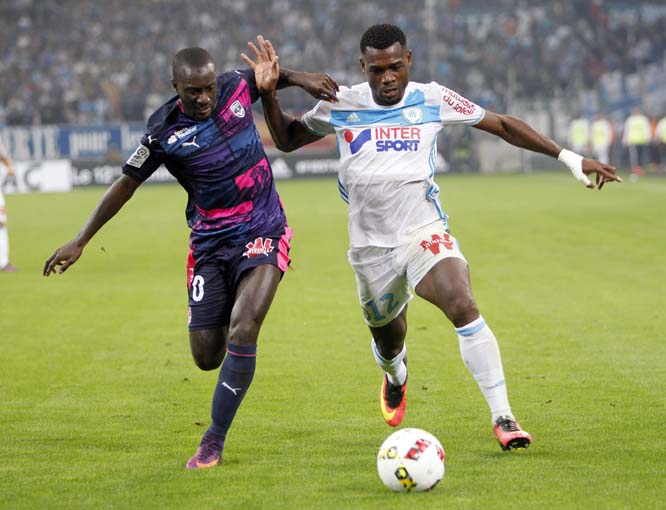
190	58
382	36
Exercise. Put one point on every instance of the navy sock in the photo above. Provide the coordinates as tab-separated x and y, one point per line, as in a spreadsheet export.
233	382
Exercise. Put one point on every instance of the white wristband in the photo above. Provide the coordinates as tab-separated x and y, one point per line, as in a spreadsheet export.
575	163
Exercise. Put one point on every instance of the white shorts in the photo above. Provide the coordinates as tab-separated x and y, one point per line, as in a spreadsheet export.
3	212
384	275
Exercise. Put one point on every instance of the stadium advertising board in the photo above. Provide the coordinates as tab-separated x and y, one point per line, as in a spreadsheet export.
62	141
97	153
304	164
102	142
39	177
94	172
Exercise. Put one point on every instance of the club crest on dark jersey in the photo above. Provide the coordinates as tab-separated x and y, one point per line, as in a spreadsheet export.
237	109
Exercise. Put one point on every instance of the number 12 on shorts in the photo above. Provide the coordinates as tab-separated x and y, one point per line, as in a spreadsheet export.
373	310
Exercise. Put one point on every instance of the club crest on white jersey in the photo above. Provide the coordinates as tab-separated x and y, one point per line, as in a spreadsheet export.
413	115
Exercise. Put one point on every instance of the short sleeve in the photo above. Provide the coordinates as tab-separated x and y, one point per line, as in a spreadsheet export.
147	158
317	120
456	109
248	76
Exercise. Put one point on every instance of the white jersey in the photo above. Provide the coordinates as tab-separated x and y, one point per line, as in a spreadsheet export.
3	151
4	239
3	214
388	155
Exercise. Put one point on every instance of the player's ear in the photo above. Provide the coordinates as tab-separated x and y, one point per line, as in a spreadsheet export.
173	82
362	62
409	58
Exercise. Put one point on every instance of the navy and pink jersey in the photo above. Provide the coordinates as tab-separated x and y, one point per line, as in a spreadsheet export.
220	162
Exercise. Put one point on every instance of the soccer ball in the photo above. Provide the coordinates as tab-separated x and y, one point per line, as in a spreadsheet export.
411	460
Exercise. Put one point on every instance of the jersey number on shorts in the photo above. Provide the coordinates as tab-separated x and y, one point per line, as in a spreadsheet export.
372	310
197	288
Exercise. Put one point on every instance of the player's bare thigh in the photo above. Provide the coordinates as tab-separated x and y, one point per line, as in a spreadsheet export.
254	296
447	286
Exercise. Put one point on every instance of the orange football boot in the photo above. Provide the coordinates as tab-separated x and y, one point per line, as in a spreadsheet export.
510	435
393	402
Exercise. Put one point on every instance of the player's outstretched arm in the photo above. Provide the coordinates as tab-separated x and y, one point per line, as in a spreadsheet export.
112	201
288	132
318	85
519	133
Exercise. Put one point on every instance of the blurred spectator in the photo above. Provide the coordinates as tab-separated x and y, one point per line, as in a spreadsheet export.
579	135
5	266
77	61
602	136
660	139
636	137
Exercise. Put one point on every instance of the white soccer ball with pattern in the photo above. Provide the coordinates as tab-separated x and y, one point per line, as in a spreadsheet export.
411	460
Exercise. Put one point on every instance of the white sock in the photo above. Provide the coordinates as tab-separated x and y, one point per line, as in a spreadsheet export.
395	368
480	352
4	246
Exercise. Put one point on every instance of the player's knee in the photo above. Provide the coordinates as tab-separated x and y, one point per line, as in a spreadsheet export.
208	348
207	362
462	310
390	339
244	332
389	350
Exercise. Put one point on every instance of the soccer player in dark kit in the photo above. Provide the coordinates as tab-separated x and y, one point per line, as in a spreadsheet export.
239	242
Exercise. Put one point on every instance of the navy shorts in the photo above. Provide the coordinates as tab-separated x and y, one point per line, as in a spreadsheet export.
211	284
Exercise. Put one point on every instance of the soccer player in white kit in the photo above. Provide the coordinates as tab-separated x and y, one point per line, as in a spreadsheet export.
399	235
5	266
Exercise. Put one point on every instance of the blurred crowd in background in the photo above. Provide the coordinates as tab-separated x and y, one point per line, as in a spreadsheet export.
72	61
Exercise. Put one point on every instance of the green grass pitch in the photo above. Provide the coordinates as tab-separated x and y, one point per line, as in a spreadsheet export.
102	405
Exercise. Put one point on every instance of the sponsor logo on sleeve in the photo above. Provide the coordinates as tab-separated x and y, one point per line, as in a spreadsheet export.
458	103
139	157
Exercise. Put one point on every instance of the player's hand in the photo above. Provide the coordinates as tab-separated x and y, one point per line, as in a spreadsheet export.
320	86
266	68
63	257
604	173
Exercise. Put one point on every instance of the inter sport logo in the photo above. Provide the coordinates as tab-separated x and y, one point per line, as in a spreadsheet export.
355	144
398	139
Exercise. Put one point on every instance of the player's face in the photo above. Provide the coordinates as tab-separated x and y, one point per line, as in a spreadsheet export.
388	72
197	89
